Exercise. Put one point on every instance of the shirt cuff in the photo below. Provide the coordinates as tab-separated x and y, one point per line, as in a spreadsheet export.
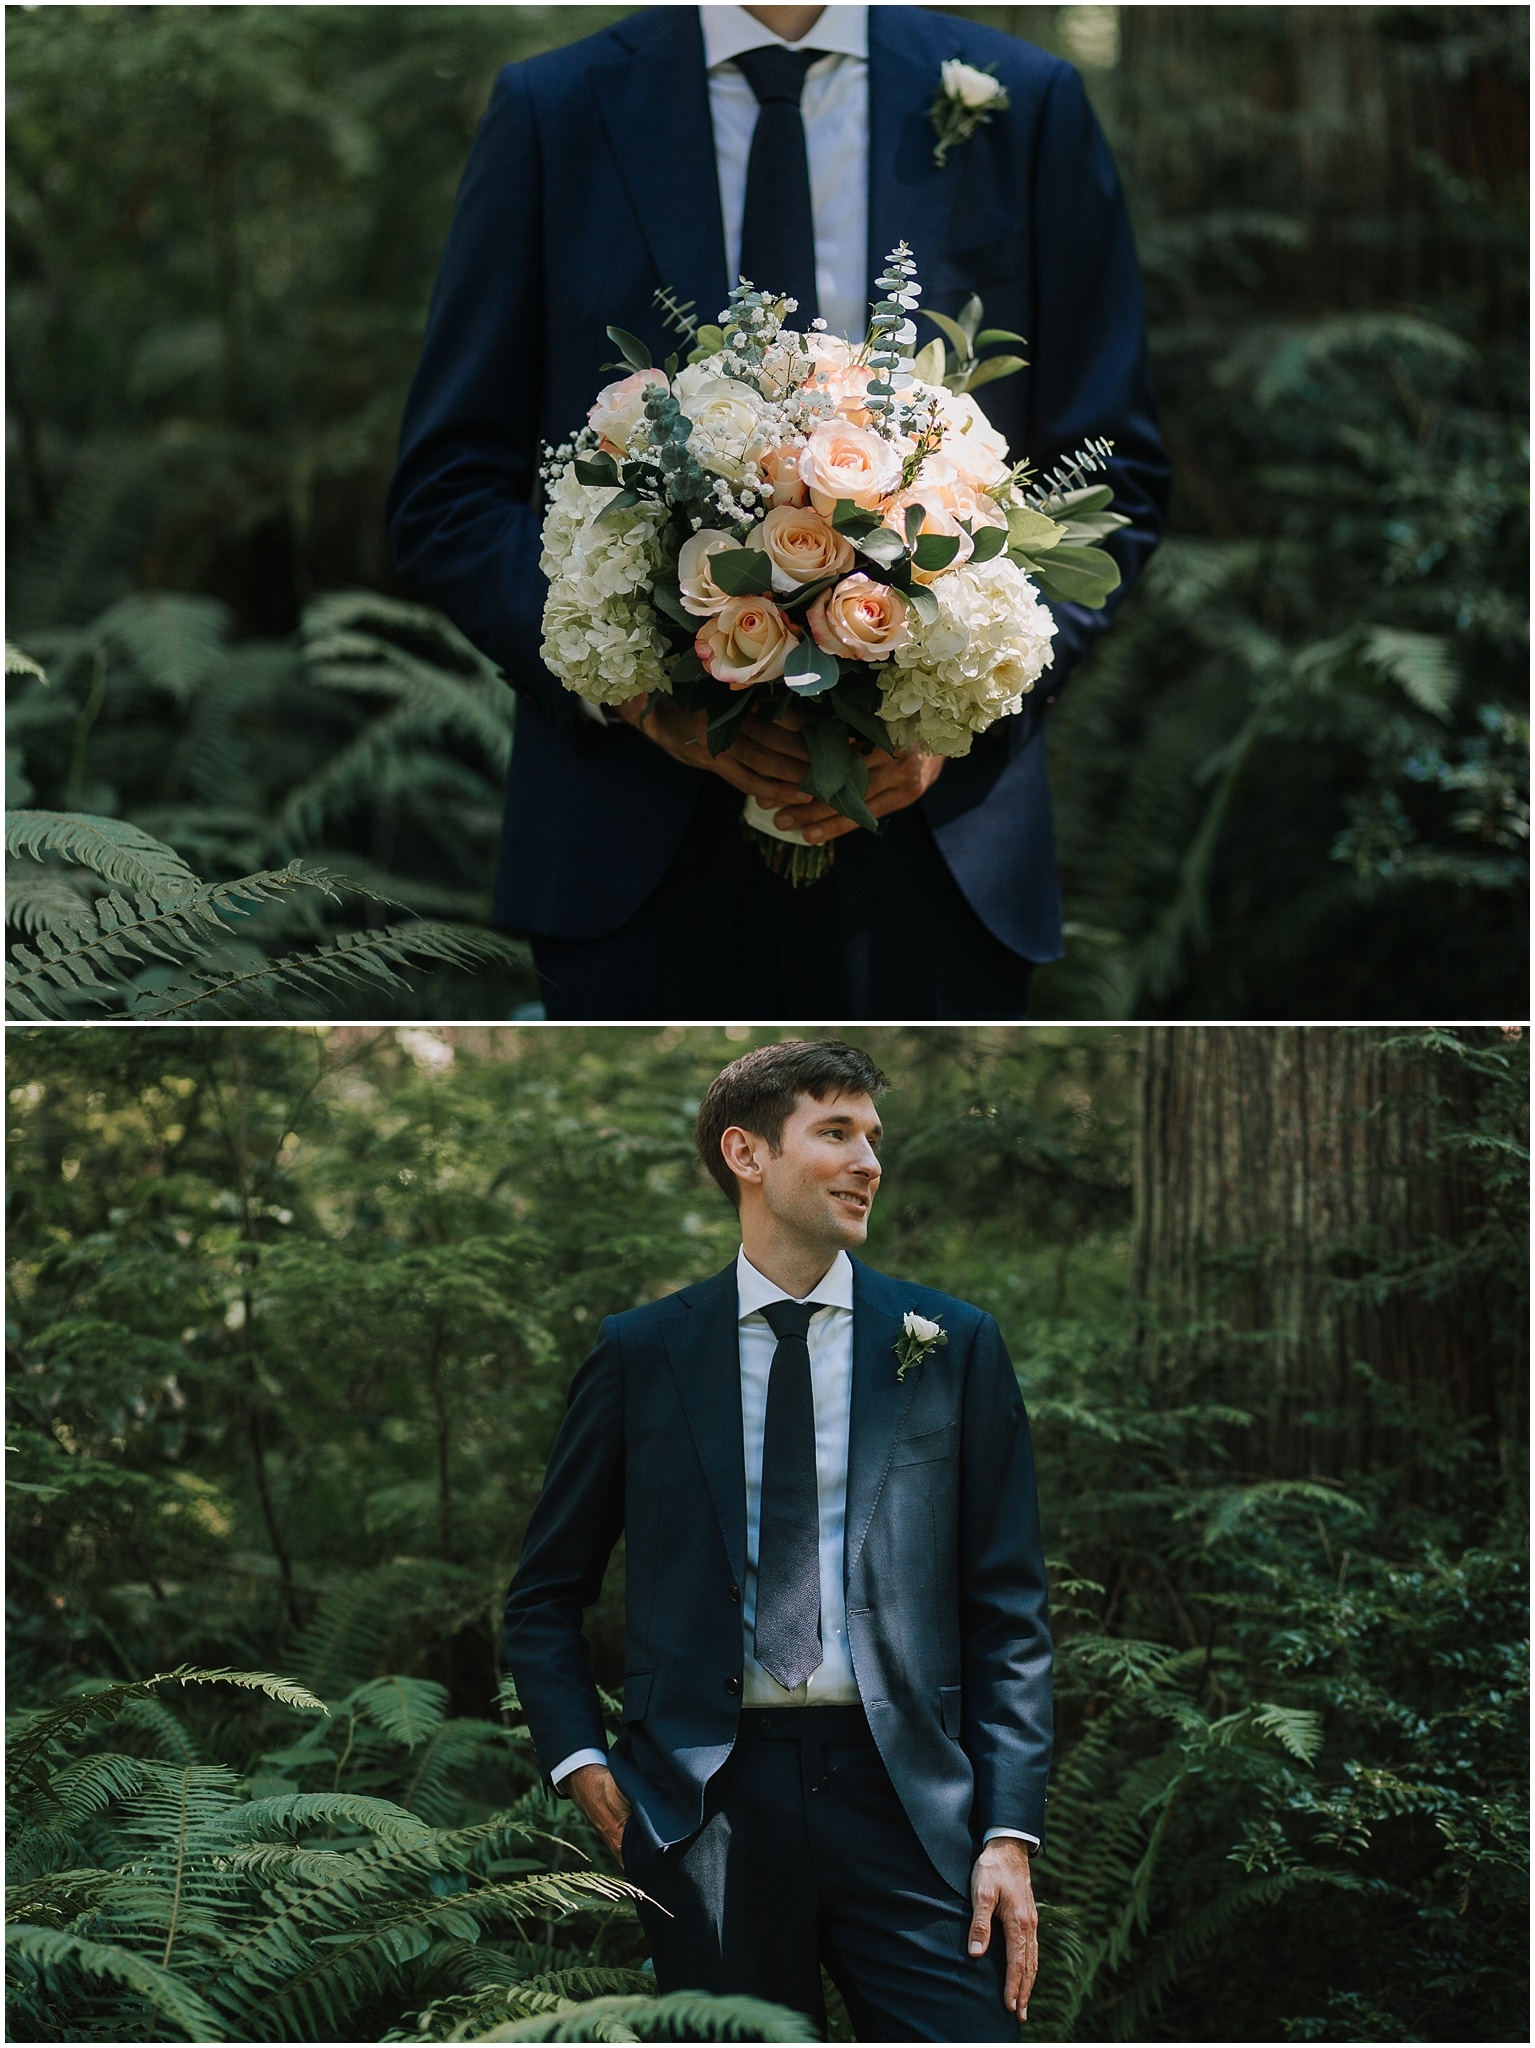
573	1762
1012	1834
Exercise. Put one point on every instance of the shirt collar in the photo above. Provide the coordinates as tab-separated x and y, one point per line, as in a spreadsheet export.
754	1290
841	31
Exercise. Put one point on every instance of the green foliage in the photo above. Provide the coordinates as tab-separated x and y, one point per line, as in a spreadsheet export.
1293	780
255	754
292	1316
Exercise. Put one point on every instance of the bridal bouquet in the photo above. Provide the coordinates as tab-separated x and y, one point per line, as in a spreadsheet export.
789	519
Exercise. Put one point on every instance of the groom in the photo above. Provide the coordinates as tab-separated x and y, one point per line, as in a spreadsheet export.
674	149
836	1717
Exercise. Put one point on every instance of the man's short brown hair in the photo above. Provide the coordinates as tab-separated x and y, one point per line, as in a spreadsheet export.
758	1092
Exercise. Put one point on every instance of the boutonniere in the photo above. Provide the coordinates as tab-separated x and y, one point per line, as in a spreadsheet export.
965	99
918	1337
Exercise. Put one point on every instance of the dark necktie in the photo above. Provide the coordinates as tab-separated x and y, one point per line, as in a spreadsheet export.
788	1645
777	226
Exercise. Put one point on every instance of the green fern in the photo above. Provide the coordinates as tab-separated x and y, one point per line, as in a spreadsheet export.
679	2016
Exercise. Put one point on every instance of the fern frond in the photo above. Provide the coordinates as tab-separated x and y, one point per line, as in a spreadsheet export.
19	664
369	959
52	1953
679	2016
172	640
46	902
406	1709
30	1734
120	853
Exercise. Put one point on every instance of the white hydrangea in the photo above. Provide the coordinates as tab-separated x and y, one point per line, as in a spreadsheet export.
600	633
975	664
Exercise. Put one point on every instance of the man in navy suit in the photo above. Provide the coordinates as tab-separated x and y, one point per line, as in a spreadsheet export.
667	151
837	1714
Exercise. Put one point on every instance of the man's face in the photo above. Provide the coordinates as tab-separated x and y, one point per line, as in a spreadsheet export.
820	1184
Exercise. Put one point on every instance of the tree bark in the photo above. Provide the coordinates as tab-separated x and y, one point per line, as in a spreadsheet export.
1276	1172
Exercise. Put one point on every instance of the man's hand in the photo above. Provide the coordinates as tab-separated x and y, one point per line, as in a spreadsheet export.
895	780
768	762
764	761
595	1790
1001	1887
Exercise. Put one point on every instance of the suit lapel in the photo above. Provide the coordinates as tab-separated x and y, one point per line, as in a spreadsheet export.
910	198
879	1401
703	1346
656	111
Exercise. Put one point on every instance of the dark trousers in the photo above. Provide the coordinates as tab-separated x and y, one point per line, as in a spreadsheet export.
806	1857
887	934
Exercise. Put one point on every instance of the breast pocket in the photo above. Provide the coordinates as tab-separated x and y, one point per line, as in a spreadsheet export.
933	1443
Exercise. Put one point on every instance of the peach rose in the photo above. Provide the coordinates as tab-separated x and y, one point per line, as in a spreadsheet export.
859	619
974	507
802	546
780	472
619	412
844	381
843	461
699	592
970	441
936	518
747	641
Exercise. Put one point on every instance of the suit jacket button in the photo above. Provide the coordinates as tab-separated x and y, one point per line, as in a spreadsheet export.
735	1594
732	1686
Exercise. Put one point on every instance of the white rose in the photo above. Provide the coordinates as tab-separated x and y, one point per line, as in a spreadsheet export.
920	1328
977	449
730	422
970	87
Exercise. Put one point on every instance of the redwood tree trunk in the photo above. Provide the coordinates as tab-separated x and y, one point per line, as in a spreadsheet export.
1273	1167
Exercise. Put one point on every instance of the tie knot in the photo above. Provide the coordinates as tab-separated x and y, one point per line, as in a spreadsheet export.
789	1318
774	73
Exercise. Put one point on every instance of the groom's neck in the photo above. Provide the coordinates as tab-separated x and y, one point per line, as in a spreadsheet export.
794	1267
792	24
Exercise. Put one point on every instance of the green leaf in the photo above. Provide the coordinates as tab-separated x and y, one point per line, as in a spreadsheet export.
831	759
988	335
725	724
742	572
923	603
620	502
971	314
880	545
936	550
810	669
989	543
665	598
687	668
631	348
863	722
1080	504
929	363
849	518
1421	664
1032	530
913	522
595	469
956	333
1076	575
993	368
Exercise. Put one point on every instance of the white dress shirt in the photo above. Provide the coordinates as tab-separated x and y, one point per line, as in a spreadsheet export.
830	1342
835	107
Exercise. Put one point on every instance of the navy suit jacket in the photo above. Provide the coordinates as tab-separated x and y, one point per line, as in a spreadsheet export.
591	182
943	1565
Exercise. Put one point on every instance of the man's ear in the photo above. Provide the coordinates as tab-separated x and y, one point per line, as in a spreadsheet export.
738	1149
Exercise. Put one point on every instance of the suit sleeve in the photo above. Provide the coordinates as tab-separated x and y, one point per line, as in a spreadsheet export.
1090	378
463	524
570	1537
1004	1620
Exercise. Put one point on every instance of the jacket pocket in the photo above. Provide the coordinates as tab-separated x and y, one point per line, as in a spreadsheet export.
950	1705
637	1695
934	1443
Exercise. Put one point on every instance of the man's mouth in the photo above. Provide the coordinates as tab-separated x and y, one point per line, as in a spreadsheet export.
853	1199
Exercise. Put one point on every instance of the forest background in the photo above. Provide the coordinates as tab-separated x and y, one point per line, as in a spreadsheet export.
1291	784
290	1318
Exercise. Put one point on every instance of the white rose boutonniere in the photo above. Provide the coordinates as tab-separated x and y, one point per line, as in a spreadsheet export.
919	1335
966	98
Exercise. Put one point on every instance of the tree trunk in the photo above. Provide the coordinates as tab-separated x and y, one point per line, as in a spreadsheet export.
1276	1172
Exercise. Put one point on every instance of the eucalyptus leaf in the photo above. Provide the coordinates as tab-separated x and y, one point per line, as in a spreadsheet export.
988	543
923	603
1080	503
595	469
863	722
810	670
880	545
1077	575
971	315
